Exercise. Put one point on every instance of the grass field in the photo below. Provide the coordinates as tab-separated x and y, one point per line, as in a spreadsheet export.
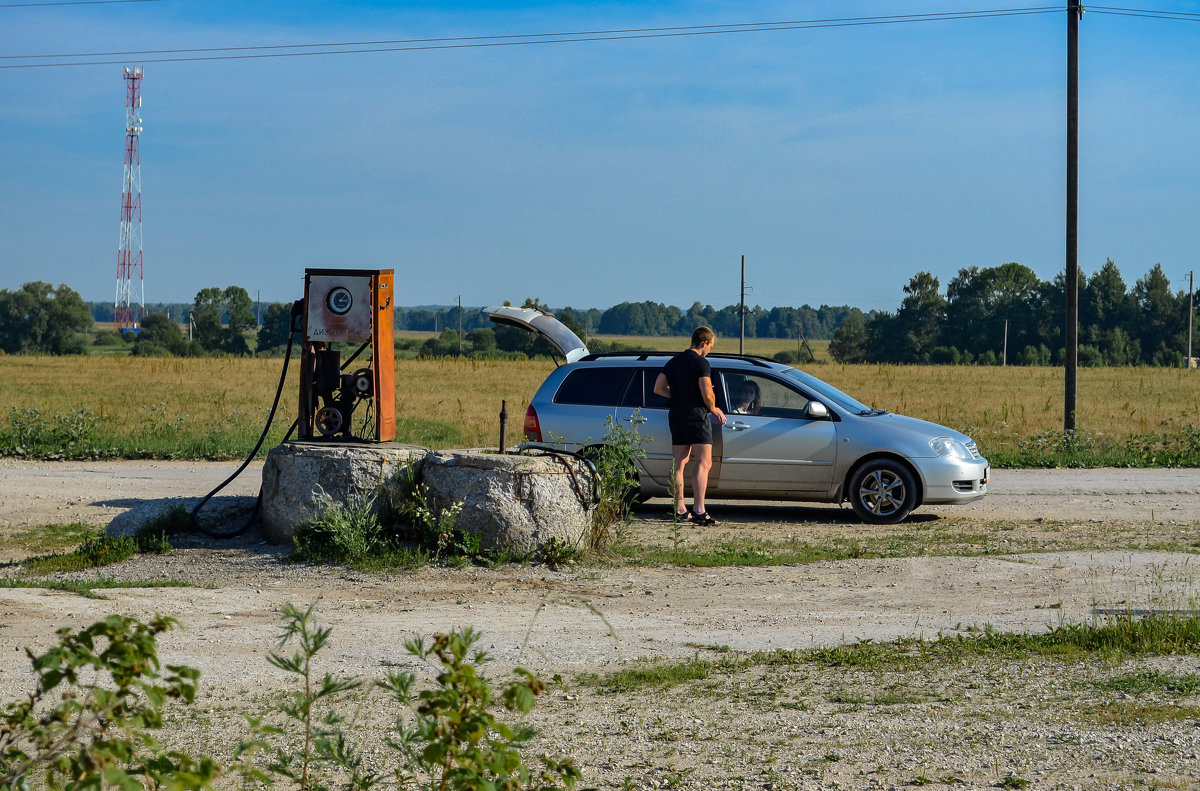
215	408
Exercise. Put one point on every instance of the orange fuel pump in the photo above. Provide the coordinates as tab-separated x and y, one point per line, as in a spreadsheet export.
348	401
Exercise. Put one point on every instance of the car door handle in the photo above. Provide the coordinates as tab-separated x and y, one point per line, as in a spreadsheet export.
738	425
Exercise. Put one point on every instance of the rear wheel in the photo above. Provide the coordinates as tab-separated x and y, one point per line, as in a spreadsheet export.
883	492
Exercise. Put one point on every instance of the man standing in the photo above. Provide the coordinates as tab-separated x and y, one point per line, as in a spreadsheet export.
687	381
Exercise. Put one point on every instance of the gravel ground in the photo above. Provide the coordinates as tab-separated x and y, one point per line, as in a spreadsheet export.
1121	539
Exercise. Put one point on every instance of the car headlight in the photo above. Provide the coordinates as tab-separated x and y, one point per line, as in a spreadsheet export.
944	446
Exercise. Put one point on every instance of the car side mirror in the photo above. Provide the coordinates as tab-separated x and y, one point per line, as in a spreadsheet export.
815	410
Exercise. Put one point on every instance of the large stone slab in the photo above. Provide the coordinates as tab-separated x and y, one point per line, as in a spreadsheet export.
346	472
515	502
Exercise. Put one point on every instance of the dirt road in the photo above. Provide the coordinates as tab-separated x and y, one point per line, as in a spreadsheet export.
598	617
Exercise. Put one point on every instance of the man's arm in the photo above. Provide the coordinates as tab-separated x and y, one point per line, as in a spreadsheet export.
662	387
710	398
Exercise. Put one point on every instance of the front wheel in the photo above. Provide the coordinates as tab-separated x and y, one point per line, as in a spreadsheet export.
883	492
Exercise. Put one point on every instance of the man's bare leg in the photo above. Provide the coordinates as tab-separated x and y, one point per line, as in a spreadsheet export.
700	476
681	453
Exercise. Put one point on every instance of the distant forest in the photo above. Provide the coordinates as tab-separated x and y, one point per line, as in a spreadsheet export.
628	318
994	315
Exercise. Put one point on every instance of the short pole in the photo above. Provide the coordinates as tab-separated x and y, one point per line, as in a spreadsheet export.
503	426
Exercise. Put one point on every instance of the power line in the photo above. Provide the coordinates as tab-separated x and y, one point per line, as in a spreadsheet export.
73	2
523	39
1178	16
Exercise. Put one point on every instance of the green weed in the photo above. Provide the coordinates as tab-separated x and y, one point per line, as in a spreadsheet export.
88	588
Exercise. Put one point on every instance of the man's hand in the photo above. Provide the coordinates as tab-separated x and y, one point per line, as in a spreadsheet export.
720	415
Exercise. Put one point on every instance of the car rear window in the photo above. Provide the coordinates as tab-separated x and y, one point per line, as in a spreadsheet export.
597	386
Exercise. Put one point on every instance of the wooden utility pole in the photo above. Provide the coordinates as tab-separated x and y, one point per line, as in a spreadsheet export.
742	310
1071	330
1191	313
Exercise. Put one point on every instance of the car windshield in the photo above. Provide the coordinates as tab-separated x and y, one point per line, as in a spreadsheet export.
830	393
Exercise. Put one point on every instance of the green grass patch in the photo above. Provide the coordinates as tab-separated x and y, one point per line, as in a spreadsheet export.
1133	713
88	588
101	549
1113	640
935	541
44	539
1153	681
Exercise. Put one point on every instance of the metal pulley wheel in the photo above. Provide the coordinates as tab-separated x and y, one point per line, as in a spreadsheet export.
329	421
364	383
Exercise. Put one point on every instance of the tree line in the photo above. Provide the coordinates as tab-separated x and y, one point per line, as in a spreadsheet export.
985	316
1006	314
627	318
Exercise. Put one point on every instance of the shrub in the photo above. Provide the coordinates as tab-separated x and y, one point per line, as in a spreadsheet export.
340	533
615	459
74	733
32	434
448	736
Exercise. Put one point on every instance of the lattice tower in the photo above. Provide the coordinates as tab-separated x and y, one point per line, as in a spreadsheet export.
128	314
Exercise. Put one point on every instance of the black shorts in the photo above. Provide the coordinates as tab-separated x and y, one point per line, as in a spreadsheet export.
690	426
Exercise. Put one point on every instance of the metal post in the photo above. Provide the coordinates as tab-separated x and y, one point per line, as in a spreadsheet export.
503	426
1071	330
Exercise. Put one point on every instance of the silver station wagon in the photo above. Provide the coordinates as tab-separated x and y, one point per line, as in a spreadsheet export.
789	435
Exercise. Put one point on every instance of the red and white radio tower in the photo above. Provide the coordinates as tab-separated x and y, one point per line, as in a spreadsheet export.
129	253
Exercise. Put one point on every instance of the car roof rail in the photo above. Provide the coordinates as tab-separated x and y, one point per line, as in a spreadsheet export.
641	355
755	359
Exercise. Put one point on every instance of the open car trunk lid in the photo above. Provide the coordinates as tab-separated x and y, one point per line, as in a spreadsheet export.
550	328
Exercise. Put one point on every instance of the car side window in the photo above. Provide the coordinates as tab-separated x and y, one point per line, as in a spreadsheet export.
751	394
641	390
593	386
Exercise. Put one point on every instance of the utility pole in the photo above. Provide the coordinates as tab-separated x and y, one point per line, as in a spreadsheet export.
460	325
1071	330
1191	312
1004	354
742	310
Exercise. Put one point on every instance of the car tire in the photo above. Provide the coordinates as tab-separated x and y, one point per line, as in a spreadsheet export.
883	492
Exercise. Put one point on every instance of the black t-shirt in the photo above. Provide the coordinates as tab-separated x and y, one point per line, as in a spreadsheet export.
684	371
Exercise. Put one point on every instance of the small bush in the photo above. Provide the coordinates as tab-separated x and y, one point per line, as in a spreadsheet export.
447	736
340	533
32	434
617	473
87	724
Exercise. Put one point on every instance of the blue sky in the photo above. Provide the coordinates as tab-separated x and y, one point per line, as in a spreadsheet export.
839	161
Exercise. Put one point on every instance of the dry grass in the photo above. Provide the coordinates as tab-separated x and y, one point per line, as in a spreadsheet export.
231	396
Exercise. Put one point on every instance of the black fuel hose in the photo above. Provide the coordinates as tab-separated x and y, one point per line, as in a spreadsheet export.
262	438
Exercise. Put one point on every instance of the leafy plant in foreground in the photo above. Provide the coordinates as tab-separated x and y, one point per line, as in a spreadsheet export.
449	739
90	734
454	740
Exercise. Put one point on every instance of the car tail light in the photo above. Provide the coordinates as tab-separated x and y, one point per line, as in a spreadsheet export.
533	429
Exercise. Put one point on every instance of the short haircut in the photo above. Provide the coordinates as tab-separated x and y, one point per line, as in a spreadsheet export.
702	335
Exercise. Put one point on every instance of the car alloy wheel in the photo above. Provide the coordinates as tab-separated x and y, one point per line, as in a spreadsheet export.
883	491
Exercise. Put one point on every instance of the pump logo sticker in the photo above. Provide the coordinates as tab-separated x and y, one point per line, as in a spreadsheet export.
339	301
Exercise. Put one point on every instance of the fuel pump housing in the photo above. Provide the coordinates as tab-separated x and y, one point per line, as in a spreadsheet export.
339	402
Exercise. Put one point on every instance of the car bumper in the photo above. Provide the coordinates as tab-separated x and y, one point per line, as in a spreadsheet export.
947	481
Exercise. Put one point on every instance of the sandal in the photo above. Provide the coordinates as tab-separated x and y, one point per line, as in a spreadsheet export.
684	516
704	520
